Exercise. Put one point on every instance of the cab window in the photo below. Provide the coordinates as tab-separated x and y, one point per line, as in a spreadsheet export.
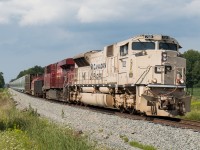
124	50
143	45
168	46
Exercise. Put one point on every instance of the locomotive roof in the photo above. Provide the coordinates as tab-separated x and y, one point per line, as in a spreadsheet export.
150	37
68	61
156	37
83	54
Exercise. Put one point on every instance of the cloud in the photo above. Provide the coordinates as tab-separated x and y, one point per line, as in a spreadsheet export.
35	12
3	20
97	11
43	11
192	8
137	10
40	12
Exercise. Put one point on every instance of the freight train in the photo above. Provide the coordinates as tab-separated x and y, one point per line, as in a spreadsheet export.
144	74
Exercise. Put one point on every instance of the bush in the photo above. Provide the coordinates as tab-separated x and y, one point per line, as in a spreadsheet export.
16	139
193	115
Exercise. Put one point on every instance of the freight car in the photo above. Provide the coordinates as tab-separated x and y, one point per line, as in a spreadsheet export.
37	86
144	74
23	84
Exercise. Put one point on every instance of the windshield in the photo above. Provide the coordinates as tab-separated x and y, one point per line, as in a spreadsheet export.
143	45
168	46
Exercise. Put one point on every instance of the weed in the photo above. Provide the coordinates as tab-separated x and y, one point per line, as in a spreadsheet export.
141	146
62	114
32	111
193	115
125	138
195	108
16	139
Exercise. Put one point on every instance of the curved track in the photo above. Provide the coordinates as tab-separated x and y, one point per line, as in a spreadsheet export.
168	121
174	122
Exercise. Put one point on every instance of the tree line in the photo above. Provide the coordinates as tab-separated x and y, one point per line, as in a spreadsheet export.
193	68
34	70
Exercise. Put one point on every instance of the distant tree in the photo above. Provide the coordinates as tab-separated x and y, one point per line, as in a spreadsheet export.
2	82
12	80
196	73
33	70
193	67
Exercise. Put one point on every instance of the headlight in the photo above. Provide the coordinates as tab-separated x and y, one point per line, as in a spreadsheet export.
181	81
164	56
179	78
154	80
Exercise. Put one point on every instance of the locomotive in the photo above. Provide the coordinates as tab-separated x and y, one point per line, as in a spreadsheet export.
144	74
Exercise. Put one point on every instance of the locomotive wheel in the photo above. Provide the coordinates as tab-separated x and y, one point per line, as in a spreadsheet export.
78	103
131	111
121	109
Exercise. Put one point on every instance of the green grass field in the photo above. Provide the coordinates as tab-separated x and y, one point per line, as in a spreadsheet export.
195	93
25	130
195	105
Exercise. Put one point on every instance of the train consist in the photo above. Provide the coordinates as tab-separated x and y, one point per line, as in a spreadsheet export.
144	74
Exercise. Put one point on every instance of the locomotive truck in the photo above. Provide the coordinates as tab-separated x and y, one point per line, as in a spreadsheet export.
144	74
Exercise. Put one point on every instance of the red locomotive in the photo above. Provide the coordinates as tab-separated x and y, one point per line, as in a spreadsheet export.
56	76
51	84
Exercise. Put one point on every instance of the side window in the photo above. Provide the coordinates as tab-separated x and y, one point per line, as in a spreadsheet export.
124	50
110	51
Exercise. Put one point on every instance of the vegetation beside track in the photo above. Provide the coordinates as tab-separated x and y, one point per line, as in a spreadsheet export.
195	106
25	130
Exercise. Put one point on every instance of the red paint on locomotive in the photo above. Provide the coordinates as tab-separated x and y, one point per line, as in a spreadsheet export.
54	76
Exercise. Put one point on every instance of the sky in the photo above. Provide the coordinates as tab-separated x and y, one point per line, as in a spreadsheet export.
41	32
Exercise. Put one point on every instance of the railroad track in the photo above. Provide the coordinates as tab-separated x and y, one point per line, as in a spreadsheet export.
167	121
173	122
185	124
195	125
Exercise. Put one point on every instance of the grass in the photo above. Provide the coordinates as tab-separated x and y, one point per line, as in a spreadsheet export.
124	138
195	93
195	106
137	144
141	146
25	130
16	139
195	110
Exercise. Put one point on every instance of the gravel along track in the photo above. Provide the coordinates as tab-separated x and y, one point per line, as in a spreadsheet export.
107	130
